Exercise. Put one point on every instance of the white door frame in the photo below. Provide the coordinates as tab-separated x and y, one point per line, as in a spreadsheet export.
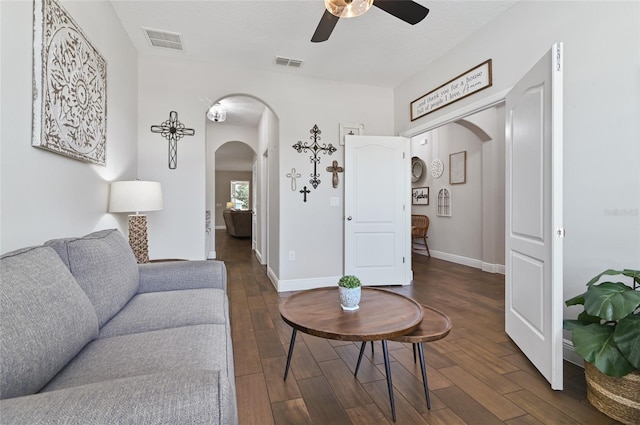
480	105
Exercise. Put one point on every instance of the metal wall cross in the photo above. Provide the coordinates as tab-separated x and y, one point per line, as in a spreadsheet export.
304	192
335	169
315	149
173	130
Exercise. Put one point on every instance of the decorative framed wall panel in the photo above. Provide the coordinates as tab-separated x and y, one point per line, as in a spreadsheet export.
69	87
458	167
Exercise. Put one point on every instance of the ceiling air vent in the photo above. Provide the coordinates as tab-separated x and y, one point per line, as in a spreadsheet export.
295	63
164	39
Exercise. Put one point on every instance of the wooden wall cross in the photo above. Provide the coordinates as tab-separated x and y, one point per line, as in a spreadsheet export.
173	130
315	149
335	169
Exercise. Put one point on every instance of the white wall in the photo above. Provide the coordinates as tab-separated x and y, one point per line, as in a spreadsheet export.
45	195
313	229
601	110
266	224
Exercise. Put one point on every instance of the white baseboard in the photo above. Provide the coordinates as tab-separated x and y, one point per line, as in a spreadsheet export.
465	261
272	277
302	284
212	255
312	283
259	257
221	227
493	268
569	353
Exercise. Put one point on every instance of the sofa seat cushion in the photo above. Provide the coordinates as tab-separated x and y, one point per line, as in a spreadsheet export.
181	397
45	319
189	347
169	309
104	266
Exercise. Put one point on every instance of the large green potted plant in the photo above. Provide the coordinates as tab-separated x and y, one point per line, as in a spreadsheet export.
606	335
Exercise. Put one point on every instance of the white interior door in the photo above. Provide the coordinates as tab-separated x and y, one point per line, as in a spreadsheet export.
377	210
533	304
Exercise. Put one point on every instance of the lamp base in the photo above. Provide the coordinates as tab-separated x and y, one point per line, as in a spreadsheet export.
138	237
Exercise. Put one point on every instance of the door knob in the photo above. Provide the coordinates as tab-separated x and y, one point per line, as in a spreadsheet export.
349	218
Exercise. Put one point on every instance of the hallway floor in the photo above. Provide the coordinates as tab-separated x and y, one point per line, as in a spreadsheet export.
476	374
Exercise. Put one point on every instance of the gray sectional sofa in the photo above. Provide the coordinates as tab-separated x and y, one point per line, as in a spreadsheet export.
90	337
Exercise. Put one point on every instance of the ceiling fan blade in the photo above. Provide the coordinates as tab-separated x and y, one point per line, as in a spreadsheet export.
325	27
407	10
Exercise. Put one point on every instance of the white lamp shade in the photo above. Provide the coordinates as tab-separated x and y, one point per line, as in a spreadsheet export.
135	196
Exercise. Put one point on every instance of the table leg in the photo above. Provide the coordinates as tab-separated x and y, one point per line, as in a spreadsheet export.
293	341
387	368
424	374
362	347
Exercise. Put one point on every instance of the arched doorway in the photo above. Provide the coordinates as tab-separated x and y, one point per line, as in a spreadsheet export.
472	232
237	145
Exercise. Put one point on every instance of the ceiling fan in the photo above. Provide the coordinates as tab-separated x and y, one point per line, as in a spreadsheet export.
406	10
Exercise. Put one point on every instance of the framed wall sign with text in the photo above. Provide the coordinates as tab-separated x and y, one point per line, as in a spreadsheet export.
465	84
420	196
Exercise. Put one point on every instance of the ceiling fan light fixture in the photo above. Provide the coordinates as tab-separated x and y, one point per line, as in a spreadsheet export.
347	8
217	113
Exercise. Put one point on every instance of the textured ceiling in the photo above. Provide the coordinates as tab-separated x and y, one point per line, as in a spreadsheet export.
374	49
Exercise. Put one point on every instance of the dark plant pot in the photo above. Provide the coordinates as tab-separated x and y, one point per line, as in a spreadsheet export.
618	398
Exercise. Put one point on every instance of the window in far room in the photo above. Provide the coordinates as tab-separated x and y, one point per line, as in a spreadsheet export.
240	194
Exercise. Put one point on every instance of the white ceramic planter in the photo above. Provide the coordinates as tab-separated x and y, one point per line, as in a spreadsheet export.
350	298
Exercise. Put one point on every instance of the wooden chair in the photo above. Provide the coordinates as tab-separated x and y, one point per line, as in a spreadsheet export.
435	325
419	229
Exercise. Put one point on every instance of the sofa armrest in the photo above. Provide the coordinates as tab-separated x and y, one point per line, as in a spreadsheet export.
176	275
185	397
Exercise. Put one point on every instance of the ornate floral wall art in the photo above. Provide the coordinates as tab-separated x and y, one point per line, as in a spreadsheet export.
69	87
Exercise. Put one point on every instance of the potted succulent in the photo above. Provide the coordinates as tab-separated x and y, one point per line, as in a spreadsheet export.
606	335
350	290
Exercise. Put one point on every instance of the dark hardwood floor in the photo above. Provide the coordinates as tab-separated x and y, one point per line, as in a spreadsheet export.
476	374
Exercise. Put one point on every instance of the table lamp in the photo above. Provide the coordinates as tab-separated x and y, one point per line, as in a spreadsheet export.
136	196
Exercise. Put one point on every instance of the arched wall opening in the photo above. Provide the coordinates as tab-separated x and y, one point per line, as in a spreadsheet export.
235	148
474	232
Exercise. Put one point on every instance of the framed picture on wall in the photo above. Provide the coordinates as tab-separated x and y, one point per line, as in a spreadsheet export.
458	167
69	86
420	196
350	130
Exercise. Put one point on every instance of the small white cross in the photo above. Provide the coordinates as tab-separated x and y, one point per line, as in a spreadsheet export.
293	176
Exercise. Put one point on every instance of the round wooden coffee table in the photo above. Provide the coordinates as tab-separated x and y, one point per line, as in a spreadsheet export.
382	315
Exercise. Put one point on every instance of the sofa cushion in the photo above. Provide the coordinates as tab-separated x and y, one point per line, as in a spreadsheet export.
176	398
45	319
168	309
188	347
104	266
174	275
